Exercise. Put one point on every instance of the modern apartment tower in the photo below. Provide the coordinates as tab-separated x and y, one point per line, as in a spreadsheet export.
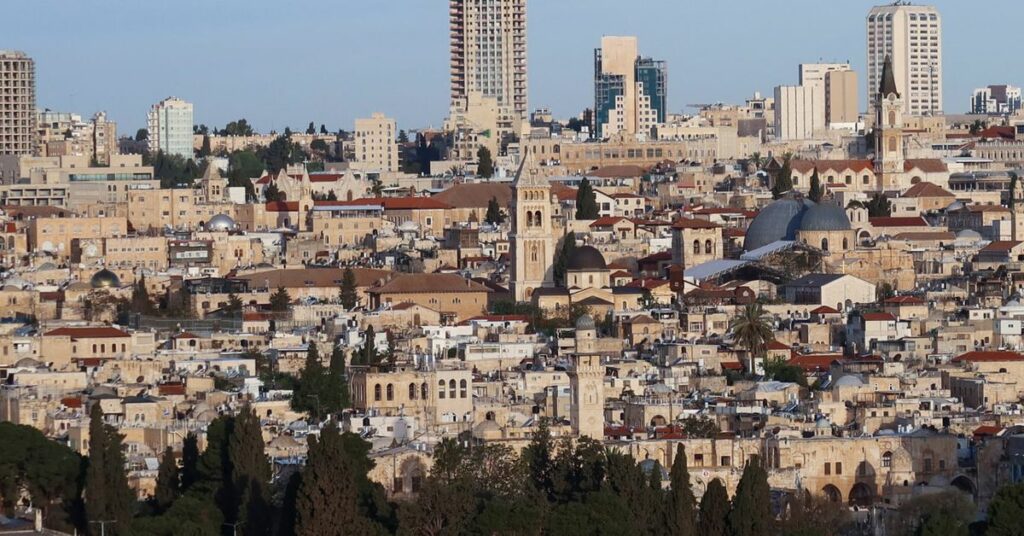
488	52
912	36
997	99
18	95
629	91
376	147
170	127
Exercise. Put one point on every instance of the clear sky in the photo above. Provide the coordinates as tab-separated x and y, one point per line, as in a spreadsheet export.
285	63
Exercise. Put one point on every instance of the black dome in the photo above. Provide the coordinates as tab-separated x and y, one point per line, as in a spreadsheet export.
104	279
780	220
825	217
586	258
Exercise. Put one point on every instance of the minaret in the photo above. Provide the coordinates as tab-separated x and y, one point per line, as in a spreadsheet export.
888	131
1017	209
586	381
533	242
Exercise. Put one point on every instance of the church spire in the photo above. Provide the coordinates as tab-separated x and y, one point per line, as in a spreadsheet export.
888	85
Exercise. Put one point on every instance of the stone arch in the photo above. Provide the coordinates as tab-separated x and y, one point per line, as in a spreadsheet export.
964	484
658	420
832	493
861	495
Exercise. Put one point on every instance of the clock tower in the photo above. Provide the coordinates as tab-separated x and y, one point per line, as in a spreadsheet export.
889	157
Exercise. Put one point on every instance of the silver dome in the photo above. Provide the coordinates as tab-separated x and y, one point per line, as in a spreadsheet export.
780	220
585	322
220	223
825	217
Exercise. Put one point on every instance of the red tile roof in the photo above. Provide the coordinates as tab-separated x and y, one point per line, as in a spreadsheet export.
878	317
606	221
927	189
1001	132
690	223
391	203
732	365
986	430
1001	245
813	362
776	345
905	300
824	310
282	206
105	332
927	165
979	356
898	221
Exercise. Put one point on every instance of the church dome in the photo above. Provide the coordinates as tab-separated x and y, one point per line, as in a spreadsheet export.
780	220
220	223
586	258
585	322
104	279
825	217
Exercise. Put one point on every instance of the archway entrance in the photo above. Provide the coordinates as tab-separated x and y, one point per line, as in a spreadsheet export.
861	495
832	493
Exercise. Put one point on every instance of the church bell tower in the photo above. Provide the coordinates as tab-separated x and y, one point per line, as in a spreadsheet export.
533	242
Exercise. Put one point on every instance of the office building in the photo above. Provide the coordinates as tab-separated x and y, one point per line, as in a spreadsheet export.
376	149
18	95
629	91
912	36
170	127
999	99
797	109
829	82
488	52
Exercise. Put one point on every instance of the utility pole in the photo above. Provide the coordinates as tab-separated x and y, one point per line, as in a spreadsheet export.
103	525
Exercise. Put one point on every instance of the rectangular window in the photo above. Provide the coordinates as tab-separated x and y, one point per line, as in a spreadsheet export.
828	468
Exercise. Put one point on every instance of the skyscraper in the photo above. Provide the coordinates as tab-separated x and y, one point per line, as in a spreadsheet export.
170	127
488	52
18	95
629	91
912	36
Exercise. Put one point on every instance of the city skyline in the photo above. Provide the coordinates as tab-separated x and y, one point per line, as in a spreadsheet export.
317	77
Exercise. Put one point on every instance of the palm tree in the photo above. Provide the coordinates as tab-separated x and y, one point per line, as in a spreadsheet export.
752	330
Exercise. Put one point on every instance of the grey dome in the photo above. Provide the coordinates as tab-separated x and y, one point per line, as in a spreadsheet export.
780	220
220	223
586	258
104	279
825	217
585	322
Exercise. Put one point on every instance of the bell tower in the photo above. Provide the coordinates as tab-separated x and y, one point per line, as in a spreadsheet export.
889	157
533	244
586	381
1016	209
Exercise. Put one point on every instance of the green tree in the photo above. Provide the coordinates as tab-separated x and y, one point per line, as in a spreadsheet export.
141	302
311	129
700	427
280	301
240	127
879	206
189	461
233	306
752	330
539	459
783	180
167	481
403	138
565	250
347	293
751	513
586	201
368	355
330	491
494	215
816	192
281	153
714	510
680	512
626	479
107	495
250	473
312	381
884	292
141	135
204	150
47	472
335	396
242	167
484	166
272	193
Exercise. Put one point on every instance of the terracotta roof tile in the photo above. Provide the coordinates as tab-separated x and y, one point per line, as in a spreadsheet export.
104	332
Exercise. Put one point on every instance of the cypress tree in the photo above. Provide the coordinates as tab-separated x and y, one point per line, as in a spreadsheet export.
562	259
714	510
681	508
751	507
328	496
107	495
485	165
539	459
167	481
816	192
336	390
494	215
784	180
250	473
308	397
369	351
189	462
586	201
347	293
280	300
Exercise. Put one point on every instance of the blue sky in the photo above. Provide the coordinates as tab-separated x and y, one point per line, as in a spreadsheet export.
285	63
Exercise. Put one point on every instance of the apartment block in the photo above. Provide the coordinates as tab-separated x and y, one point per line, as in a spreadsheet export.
18	99
376	147
170	127
912	36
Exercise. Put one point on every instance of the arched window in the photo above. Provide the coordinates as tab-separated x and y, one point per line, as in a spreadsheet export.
696	247
391	392
846	243
708	247
887	459
824	244
412	391
529	218
376	392
892	145
451	388
440	389
462	389
423	391
892	118
537	218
